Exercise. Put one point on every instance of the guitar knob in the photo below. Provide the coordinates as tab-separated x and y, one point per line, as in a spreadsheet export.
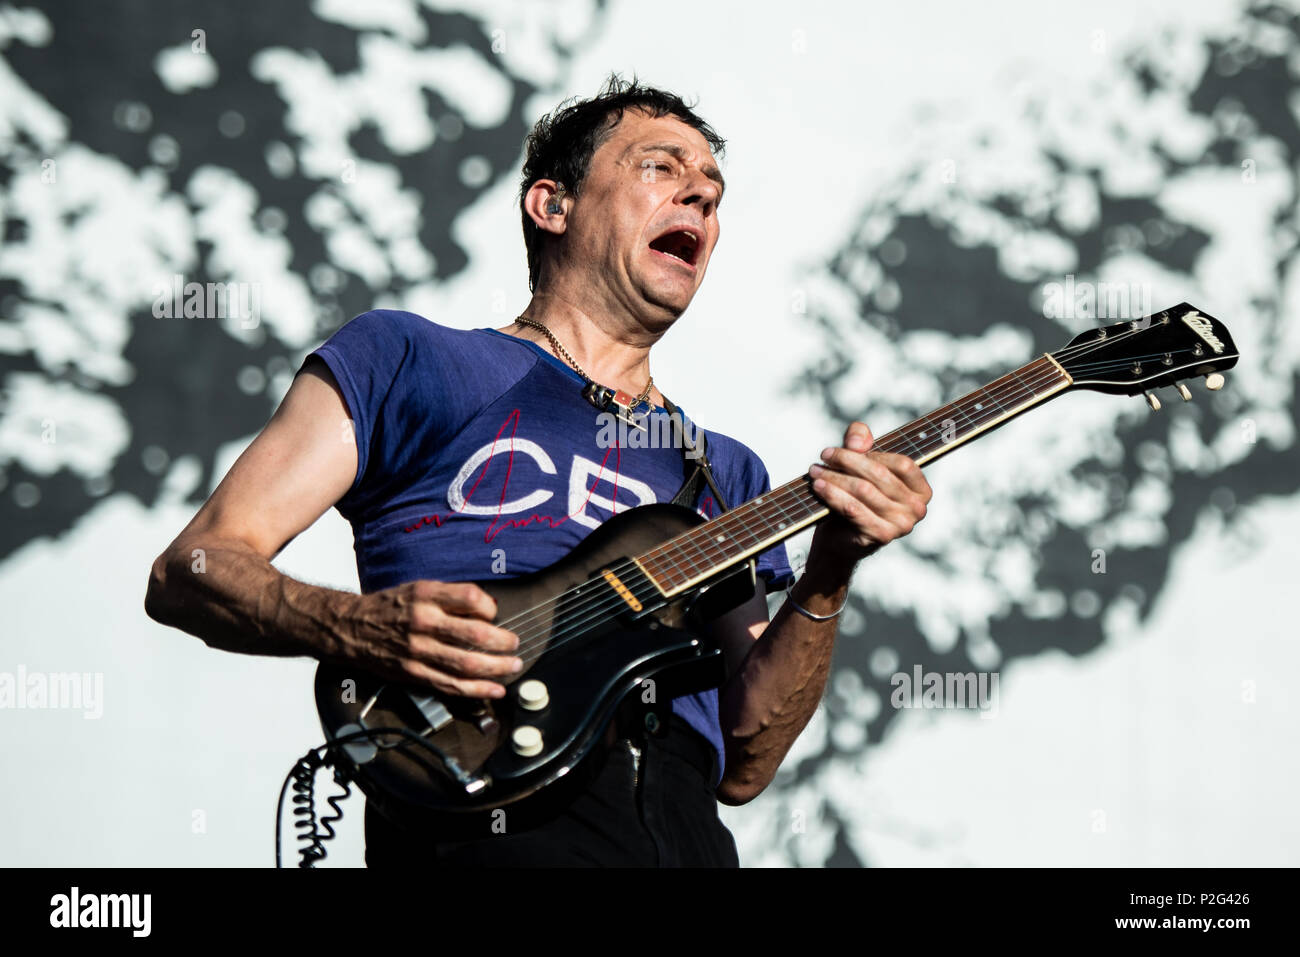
1153	402
526	741
533	695
1214	382
1185	392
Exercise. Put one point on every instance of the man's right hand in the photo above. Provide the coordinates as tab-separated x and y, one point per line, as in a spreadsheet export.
434	633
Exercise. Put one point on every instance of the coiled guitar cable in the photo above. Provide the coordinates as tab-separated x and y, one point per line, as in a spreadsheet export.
302	777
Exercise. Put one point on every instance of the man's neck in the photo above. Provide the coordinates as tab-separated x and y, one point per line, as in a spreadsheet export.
613	351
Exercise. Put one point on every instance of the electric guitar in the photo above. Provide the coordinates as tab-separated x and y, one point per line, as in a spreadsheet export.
624	611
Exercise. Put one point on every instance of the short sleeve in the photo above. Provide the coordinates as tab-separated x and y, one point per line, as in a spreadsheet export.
367	357
364	357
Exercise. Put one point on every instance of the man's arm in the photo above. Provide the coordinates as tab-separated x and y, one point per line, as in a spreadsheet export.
778	670
216	580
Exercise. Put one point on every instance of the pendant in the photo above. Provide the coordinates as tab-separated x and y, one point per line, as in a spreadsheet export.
623	403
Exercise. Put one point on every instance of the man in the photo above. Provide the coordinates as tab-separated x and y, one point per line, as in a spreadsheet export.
475	453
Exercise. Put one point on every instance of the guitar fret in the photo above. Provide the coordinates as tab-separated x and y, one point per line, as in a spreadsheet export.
992	398
785	517
1020	384
695	564
774	516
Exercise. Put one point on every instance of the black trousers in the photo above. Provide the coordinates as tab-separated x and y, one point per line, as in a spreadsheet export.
652	809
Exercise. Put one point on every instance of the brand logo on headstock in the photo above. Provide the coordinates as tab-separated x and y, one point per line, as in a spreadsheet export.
1201	326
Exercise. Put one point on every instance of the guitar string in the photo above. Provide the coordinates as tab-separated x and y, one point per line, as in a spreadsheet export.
1028	386
1129	359
609	601
612	601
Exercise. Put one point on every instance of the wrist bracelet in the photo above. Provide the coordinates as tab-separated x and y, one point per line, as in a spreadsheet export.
789	596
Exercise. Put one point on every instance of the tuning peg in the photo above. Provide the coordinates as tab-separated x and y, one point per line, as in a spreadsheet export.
1153	402
1214	382
1185	392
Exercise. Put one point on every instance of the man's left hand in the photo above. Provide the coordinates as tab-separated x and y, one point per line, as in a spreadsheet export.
874	497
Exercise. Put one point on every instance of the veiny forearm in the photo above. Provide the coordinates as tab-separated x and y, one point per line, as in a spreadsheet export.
768	702
234	599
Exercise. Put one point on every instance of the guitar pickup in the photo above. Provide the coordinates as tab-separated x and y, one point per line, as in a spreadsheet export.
433	710
621	590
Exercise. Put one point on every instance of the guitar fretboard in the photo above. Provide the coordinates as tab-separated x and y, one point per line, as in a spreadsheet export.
760	523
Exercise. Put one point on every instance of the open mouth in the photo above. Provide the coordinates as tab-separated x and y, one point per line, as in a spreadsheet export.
680	244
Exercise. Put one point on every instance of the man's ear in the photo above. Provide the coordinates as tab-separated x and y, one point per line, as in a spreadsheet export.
538	206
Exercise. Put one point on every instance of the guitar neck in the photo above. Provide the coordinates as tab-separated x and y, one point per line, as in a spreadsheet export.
741	533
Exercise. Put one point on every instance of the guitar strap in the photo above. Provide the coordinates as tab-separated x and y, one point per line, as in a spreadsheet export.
698	470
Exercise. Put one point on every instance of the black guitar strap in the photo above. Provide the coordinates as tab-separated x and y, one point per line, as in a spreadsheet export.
697	467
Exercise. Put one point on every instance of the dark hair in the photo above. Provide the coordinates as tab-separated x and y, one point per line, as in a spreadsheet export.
562	143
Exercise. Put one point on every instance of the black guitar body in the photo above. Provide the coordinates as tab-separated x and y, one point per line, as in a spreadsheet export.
591	665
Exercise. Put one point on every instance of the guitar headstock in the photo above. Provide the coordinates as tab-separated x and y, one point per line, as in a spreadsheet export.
1158	350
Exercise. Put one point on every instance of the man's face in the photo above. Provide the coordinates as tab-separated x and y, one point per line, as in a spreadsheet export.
645	223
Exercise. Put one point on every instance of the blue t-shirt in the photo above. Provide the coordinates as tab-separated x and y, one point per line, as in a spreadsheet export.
478	456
